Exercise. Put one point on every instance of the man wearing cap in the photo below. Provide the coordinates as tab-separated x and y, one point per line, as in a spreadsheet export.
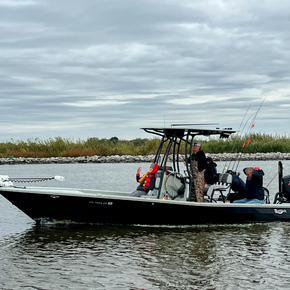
254	186
198	163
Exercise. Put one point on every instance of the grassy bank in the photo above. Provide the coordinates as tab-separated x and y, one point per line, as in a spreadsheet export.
60	147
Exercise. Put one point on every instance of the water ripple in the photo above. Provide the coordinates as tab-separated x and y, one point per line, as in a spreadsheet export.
68	256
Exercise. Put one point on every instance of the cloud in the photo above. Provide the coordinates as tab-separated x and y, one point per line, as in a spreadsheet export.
15	3
94	103
111	67
195	100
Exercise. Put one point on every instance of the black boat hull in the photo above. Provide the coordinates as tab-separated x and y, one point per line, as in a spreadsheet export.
113	209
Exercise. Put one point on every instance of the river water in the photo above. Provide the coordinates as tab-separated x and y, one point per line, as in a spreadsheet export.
71	256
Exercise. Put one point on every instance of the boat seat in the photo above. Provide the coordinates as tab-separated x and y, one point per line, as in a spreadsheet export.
175	185
223	184
155	191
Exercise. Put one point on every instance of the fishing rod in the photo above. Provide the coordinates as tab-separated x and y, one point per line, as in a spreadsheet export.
247	123
252	125
249	130
272	178
233	157
244	118
239	154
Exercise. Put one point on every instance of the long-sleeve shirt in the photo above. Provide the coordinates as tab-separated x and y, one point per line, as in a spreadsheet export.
199	156
254	185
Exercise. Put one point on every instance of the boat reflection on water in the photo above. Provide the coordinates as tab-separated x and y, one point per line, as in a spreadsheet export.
100	257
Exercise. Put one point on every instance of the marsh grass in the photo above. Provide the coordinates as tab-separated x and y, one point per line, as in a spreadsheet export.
61	147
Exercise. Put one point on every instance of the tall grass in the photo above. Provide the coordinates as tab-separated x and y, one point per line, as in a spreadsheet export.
252	143
59	146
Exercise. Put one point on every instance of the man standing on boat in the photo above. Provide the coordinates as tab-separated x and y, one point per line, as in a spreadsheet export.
198	164
147	181
254	186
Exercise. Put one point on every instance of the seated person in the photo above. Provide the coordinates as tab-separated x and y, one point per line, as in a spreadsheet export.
238	187
147	181
254	192
210	173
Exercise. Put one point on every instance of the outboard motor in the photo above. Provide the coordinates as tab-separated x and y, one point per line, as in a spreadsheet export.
284	186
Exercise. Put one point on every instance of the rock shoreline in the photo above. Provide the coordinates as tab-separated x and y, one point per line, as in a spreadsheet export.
141	158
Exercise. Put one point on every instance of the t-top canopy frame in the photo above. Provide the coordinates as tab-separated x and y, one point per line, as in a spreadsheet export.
174	138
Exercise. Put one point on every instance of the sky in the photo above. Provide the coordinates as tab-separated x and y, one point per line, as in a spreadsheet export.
105	68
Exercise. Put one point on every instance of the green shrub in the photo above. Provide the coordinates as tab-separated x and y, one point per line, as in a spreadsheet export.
105	147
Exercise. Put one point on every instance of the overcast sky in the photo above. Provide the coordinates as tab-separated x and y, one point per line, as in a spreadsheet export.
103	68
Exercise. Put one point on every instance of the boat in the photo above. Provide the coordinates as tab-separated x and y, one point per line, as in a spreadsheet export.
167	204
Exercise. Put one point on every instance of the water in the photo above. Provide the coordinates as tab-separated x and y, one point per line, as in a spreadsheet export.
70	256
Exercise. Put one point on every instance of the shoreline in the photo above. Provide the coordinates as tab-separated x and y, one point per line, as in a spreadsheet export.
141	158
